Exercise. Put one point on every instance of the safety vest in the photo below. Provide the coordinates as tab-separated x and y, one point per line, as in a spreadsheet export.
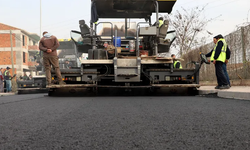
160	23
37	54
176	63
222	57
6	77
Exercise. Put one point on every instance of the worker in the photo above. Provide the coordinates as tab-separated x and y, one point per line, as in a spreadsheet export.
1	81
105	45
25	77
48	44
224	66
30	77
7	78
160	22
69	64
177	63
218	57
37	55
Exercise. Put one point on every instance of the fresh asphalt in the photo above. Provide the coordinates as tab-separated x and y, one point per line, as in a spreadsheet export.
38	122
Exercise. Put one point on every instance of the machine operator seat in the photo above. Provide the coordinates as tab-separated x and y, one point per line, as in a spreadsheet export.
85	30
163	29
164	44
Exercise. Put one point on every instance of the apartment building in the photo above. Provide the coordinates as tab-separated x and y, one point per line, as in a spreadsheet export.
25	46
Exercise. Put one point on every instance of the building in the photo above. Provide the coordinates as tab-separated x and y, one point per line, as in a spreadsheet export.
25	46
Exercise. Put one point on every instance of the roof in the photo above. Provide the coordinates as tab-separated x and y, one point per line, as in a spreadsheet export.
30	35
131	8
7	27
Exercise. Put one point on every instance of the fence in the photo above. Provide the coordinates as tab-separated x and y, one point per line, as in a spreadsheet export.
239	63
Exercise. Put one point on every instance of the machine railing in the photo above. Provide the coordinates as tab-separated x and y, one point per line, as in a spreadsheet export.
112	28
137	37
157	25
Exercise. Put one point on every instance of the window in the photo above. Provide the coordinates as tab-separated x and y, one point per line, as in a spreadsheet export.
23	40
24	57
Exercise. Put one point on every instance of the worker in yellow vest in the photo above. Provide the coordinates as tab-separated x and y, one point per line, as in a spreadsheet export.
7	78
160	22
177	63
218	57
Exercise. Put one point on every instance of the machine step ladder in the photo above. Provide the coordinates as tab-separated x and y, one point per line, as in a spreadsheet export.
127	70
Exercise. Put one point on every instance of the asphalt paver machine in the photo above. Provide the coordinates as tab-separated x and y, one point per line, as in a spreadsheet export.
147	66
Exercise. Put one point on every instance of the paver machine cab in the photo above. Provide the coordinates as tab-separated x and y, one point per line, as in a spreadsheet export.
114	67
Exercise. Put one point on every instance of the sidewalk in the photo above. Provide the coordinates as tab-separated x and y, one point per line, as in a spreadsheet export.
236	92
7	94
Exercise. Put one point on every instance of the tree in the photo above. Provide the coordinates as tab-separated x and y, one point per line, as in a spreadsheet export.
188	24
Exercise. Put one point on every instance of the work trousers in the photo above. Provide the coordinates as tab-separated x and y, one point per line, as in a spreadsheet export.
8	85
224	67
52	61
1	86
221	78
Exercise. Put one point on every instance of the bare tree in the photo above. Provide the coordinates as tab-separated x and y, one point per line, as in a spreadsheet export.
188	24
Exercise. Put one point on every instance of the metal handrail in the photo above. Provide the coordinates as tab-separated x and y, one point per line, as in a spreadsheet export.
111	29
157	25
137	37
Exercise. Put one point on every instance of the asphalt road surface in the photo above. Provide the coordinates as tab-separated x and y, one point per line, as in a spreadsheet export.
38	122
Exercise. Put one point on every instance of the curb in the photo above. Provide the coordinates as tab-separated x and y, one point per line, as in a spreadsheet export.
207	92
7	94
226	94
234	95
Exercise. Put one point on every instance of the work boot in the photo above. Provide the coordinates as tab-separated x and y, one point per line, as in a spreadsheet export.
62	83
49	84
224	87
217	87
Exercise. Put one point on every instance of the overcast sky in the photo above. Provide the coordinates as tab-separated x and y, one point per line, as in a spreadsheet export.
61	16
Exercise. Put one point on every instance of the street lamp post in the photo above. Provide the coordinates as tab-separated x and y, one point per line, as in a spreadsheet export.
40	18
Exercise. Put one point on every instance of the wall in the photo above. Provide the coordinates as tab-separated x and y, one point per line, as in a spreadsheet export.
5	40
5	58
18	49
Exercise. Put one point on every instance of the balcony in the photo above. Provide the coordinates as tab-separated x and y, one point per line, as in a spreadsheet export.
32	65
33	48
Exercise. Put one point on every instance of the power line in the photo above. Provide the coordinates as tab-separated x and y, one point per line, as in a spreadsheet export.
60	22
186	2
16	37
208	3
212	2
224	4
66	20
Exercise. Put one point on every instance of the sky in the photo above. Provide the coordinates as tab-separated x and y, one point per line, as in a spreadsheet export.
59	17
